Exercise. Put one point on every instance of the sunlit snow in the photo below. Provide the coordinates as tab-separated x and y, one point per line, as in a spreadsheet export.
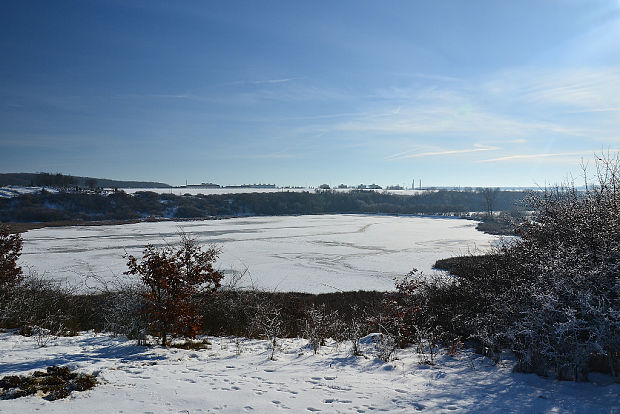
320	253
236	376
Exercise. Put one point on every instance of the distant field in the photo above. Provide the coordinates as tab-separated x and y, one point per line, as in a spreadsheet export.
314	254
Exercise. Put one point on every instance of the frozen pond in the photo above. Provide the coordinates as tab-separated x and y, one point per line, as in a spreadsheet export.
322	253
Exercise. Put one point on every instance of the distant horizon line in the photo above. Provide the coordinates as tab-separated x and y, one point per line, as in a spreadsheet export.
261	185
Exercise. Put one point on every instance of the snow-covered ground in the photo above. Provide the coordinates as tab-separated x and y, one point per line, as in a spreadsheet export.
322	253
236	376
14	191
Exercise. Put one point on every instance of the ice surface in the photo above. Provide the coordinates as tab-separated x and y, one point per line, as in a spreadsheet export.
321	253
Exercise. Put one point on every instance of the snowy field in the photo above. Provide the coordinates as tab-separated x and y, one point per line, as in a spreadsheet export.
322	253
14	191
237	376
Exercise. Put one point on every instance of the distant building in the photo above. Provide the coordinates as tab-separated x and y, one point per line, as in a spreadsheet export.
203	185
251	186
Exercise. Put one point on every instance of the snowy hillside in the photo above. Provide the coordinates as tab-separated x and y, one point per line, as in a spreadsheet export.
14	191
236	376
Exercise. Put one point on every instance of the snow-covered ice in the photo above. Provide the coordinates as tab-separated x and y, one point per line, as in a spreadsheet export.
236	376
319	253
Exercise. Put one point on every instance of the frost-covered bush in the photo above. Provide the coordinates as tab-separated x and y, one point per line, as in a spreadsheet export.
553	295
319	325
39	308
122	313
566	309
423	313
10	272
353	329
267	322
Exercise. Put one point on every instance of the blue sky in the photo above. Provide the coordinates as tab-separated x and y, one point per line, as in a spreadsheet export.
456	93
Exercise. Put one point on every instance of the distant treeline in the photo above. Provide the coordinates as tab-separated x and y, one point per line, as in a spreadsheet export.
46	206
58	180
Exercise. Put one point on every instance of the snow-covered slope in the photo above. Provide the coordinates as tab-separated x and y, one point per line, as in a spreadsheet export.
14	191
236	376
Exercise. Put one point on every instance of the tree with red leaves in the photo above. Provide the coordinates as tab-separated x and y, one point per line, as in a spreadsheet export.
176	280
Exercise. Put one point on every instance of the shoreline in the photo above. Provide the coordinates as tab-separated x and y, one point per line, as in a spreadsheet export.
17	227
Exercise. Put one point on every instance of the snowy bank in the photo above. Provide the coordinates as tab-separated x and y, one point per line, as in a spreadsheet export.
236	376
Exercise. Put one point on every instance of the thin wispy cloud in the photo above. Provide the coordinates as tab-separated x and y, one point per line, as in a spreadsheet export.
464	119
429	76
593	110
165	96
261	81
410	154
539	156
587	89
268	81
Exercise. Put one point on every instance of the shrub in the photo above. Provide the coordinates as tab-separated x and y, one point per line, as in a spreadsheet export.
175	281
552	296
10	250
53	384
569	259
268	323
319	324
41	308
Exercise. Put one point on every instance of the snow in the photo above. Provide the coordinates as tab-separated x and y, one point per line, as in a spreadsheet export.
14	191
236	376
322	253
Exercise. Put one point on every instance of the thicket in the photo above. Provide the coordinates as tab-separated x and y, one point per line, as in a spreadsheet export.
63	206
551	296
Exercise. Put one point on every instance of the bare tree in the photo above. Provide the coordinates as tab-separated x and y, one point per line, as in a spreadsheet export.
490	195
